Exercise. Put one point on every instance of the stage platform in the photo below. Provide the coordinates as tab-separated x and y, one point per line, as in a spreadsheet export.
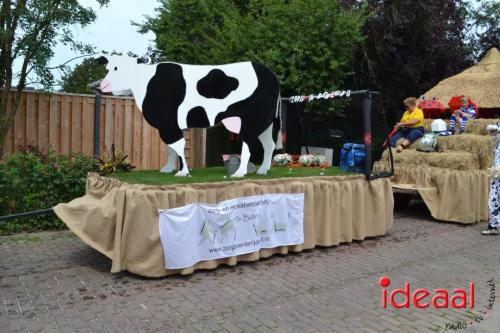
120	219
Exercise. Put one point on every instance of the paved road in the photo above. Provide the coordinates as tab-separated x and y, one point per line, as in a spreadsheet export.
52	282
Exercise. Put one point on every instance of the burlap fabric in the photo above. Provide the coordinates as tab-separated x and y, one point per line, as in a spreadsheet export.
120	220
451	195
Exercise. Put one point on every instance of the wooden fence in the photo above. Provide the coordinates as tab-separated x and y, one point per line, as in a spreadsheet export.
65	123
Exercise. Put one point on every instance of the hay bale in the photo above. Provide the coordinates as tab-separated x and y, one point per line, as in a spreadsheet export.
481	146
474	126
478	126
447	160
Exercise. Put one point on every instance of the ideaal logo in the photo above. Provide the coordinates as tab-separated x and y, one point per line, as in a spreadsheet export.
423	298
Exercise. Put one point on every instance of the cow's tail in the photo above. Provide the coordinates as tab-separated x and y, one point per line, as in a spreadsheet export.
278	123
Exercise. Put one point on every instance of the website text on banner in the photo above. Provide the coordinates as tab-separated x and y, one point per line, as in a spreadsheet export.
198	231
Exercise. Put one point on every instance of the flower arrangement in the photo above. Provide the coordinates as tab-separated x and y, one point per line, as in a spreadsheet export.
306	160
309	160
282	159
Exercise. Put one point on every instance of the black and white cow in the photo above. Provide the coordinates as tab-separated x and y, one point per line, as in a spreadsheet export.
244	97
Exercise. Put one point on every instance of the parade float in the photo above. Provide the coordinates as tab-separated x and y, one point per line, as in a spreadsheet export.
156	224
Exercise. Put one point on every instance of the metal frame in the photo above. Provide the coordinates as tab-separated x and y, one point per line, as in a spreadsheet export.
367	108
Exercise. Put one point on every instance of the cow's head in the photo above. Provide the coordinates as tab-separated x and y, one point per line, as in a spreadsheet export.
121	71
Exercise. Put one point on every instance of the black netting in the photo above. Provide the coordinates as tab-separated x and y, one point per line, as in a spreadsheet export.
306	127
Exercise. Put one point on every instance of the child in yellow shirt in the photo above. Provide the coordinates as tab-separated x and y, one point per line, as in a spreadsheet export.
411	125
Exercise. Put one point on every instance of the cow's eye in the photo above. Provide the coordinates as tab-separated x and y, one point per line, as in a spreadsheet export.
116	68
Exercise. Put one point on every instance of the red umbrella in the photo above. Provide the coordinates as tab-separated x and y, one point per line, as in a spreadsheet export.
431	107
454	103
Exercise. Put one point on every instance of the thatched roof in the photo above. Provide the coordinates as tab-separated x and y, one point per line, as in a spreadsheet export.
480	82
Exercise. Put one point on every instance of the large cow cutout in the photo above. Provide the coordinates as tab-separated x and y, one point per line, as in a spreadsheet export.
244	97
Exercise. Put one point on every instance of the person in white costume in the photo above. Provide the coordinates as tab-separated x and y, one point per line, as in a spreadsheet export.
494	196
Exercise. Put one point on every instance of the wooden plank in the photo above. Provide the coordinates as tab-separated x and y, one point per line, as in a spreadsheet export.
109	125
76	124
20	125
31	119
404	190
43	122
88	126
146	146
163	154
119	124
55	123
155	151
128	137
65	125
136	155
102	126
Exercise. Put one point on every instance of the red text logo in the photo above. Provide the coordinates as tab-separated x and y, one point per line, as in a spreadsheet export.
423	298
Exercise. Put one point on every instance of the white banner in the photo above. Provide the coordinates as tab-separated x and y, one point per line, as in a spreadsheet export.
198	232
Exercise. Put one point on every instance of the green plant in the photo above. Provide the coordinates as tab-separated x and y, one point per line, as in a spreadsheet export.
116	161
32	180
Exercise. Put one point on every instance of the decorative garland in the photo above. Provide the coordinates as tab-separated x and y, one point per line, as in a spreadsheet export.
325	95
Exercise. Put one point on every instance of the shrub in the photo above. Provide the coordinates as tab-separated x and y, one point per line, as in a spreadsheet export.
32	180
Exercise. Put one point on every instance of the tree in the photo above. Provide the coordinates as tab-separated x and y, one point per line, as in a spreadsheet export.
410	46
309	45
76	80
186	29
486	19
29	31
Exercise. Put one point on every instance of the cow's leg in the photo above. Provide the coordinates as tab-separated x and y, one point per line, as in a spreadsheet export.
178	146
266	138
171	158
245	157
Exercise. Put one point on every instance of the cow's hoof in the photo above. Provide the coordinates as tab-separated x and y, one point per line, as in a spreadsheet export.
262	171
181	174
238	175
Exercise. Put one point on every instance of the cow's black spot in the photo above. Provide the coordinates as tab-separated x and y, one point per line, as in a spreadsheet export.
257	111
197	117
216	85
165	92
181	165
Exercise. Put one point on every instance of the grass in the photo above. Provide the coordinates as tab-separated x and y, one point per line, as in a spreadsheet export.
216	174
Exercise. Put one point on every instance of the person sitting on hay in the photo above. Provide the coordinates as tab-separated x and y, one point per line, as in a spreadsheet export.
494	197
464	112
410	127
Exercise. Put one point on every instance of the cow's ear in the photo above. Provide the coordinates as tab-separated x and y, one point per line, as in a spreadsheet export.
102	60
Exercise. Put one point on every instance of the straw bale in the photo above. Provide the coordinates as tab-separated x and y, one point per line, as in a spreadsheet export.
481	146
447	160
474	126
